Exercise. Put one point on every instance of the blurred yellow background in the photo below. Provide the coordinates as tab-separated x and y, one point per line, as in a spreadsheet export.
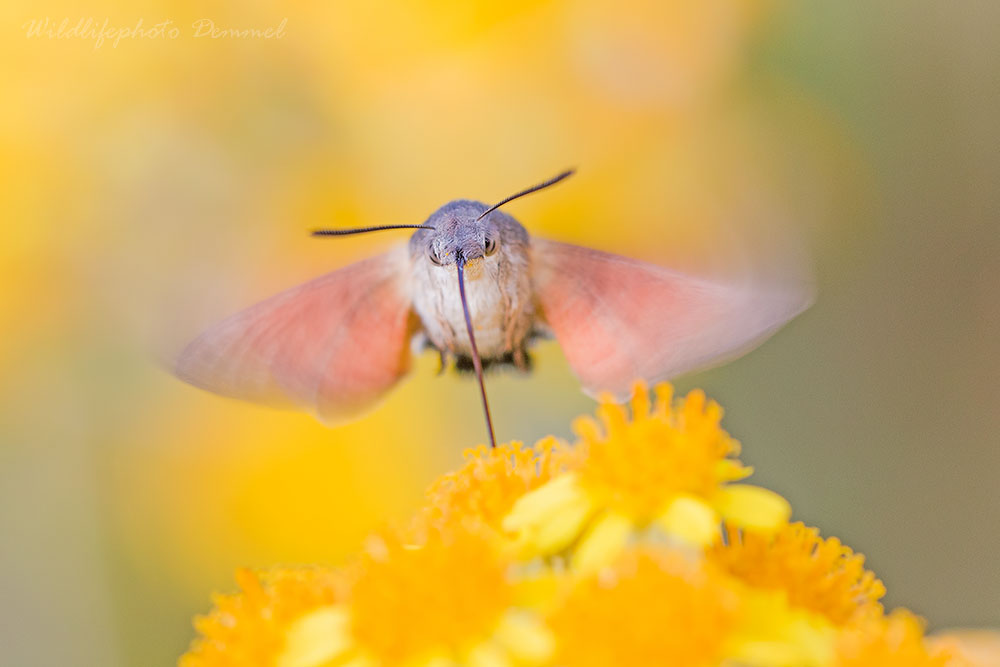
151	186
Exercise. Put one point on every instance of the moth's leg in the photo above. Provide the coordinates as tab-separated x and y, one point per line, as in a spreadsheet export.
421	342
522	360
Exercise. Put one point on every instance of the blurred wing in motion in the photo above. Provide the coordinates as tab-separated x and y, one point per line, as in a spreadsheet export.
619	319
332	346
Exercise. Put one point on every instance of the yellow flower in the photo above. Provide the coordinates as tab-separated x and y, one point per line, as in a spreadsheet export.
801	589
819	575
456	590
654	606
896	640
489	483
670	467
442	598
250	627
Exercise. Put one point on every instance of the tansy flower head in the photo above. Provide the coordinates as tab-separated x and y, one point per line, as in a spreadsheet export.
463	585
492	479
819	575
654	606
896	640
442	596
669	467
250	627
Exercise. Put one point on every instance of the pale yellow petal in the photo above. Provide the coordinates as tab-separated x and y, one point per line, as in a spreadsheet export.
752	507
603	541
763	653
560	529
525	638
772	633
316	638
691	519
538	505
731	470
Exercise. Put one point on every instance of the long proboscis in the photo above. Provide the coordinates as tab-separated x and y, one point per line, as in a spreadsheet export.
533	188
476	361
363	230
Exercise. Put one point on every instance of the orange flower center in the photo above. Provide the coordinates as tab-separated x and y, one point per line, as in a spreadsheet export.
433	599
657	608
248	628
489	483
823	576
637	465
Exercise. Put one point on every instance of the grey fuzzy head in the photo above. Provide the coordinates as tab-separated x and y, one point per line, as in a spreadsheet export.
460	235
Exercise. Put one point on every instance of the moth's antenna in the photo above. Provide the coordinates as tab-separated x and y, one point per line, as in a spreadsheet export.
475	351
534	188
362	230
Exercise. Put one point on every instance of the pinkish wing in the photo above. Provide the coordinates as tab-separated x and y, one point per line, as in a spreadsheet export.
332	346
619	319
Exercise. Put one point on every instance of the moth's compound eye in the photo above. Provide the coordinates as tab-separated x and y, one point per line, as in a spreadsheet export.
434	257
491	245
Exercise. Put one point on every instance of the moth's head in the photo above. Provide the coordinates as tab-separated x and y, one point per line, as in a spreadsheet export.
461	233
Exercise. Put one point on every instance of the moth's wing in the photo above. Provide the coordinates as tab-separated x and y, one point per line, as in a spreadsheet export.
619	319
332	346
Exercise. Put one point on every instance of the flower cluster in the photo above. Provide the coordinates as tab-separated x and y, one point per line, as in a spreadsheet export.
637	545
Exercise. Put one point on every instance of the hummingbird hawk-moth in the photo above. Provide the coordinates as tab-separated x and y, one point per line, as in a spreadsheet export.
473	285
